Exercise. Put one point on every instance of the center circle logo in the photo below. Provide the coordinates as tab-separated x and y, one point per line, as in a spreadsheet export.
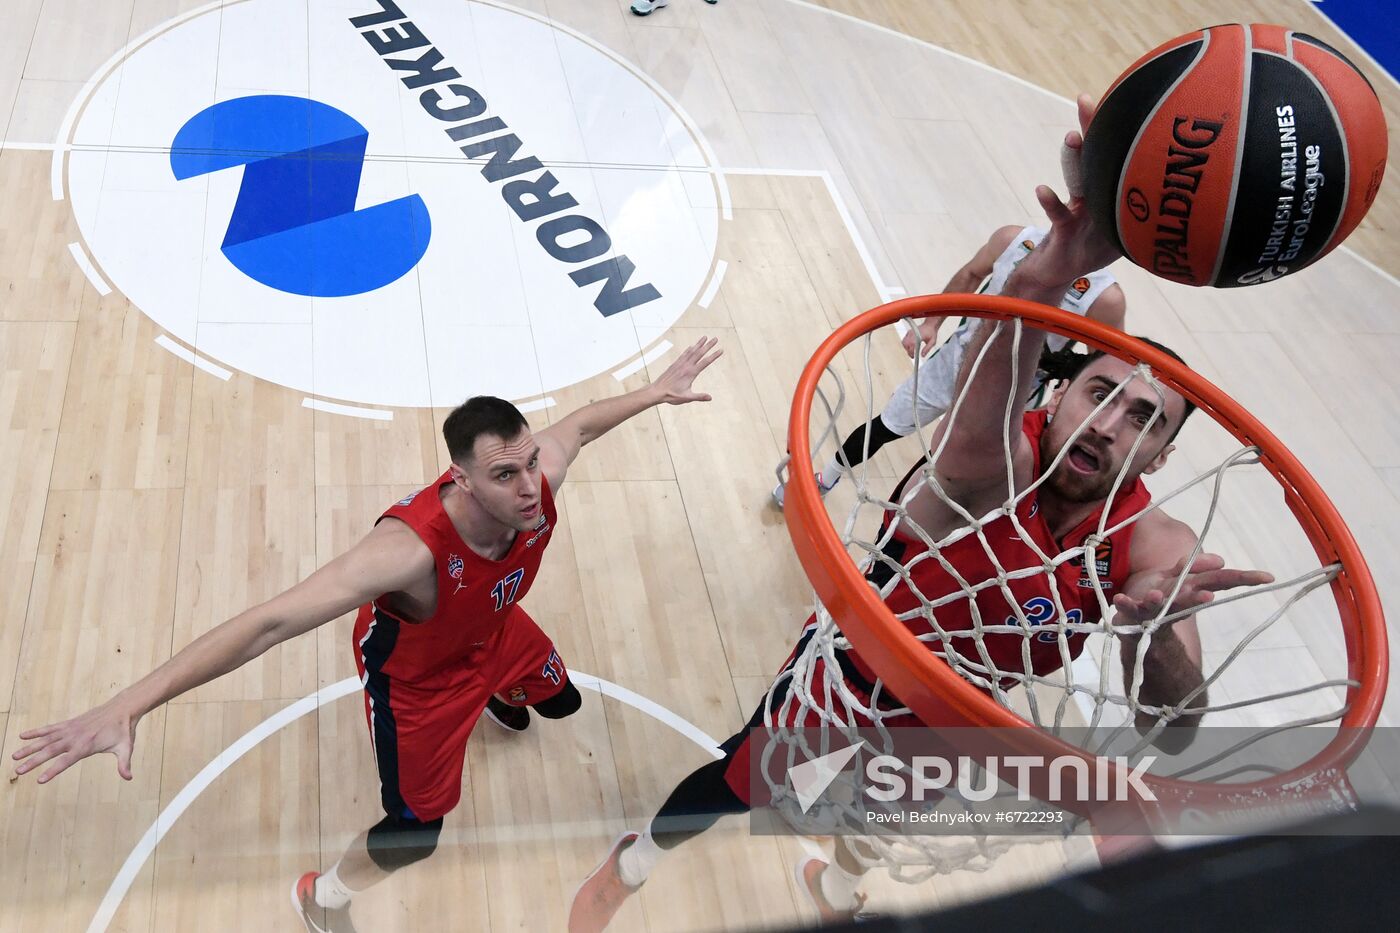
394	203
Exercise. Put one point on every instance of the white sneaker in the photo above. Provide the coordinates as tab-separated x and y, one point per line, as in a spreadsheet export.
644	7
822	488
809	881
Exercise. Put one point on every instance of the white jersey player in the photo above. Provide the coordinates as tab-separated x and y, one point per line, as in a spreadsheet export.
1096	295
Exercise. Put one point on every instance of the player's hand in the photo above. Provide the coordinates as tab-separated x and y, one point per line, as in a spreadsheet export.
927	330
674	384
1145	594
1073	247
106	728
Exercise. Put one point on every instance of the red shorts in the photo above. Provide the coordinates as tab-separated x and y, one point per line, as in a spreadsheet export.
420	729
741	773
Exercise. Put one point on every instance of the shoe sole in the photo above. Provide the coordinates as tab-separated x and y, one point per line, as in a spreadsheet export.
804	887
301	913
500	722
857	917
604	863
612	850
779	493
815	854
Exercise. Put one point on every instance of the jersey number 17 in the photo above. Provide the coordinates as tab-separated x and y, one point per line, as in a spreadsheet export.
504	591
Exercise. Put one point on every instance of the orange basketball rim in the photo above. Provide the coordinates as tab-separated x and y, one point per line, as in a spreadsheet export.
941	698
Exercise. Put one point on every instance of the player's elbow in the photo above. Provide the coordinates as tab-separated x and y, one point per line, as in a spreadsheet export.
965	282
280	619
270	630
968	464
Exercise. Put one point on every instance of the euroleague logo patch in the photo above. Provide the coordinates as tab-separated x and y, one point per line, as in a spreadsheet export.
396	202
1103	565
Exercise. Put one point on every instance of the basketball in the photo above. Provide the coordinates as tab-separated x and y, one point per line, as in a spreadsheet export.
1234	155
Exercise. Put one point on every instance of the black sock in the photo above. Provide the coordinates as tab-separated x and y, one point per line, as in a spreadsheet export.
853	450
695	805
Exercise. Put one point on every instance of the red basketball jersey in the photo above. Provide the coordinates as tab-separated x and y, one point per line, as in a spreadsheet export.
1032	594
475	595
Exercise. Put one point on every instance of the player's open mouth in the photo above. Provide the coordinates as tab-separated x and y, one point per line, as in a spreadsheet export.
531	511
1082	459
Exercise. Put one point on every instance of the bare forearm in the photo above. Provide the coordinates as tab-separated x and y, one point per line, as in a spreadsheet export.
213	654
991	389
594	420
964	282
1169	675
993	378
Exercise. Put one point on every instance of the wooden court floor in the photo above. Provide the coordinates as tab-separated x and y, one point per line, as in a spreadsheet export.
146	500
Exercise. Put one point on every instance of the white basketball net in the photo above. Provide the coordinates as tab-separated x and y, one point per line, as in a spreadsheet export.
1239	629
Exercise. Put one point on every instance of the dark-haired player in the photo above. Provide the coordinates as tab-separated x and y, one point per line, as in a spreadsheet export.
440	636
1101	423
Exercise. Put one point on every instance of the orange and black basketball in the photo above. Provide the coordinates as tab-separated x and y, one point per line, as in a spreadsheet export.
1234	155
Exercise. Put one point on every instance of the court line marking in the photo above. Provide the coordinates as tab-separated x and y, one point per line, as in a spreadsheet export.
712	286
35	147
85	93
885	291
661	349
166	819
653	709
1381	69
354	411
414	158
937	48
1082	701
1392	279
234	752
65	129
80	256
713	167
190	356
538	404
61	145
1388	276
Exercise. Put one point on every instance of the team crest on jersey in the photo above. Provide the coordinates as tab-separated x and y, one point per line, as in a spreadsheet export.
455	566
407	500
1028	245
1080	286
1103	565
517	695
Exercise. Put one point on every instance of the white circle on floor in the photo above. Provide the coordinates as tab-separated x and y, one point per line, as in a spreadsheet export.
490	308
